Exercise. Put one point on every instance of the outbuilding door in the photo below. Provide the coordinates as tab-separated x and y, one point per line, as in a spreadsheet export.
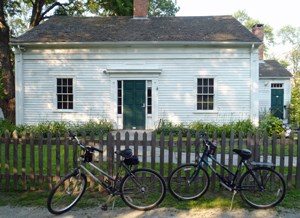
277	102
134	104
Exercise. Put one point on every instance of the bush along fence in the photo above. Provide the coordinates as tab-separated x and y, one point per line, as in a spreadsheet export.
37	162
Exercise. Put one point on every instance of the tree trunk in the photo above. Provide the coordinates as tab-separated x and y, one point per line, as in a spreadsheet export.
7	101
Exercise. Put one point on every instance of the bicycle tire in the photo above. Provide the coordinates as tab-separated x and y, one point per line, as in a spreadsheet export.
269	193
66	193
144	190
179	184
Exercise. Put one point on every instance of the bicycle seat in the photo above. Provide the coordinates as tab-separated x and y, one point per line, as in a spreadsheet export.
126	153
244	153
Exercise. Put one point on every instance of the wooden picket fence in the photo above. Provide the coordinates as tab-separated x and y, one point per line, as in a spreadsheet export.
37	162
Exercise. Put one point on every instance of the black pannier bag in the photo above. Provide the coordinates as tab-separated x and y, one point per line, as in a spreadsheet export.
133	160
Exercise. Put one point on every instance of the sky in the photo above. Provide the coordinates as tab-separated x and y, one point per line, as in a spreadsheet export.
276	13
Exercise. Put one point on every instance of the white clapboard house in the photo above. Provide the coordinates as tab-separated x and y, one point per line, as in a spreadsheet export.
136	71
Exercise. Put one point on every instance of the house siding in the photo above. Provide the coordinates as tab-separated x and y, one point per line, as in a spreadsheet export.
265	94
174	89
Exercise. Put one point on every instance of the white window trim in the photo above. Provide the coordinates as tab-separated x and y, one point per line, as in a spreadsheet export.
215	110
55	94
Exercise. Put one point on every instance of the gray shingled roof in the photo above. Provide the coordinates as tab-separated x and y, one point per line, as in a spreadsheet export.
128	29
272	68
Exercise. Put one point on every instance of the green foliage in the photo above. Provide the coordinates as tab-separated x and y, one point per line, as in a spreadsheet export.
244	126
6	125
295	101
270	124
58	126
94	126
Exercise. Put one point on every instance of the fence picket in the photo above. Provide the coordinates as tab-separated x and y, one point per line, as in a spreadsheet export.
32	162
282	145
161	154
49	160
23	155
290	160
15	159
40	161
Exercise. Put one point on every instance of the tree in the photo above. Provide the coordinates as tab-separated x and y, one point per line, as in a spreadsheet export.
7	77
291	36
18	15
249	22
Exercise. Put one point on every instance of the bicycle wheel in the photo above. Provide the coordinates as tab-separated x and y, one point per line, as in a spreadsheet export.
66	193
266	190
144	190
182	187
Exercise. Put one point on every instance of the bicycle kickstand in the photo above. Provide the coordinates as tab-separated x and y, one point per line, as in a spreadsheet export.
111	198
233	194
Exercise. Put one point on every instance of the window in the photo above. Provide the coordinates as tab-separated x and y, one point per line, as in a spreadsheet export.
64	93
149	97
205	94
119	97
149	100
276	85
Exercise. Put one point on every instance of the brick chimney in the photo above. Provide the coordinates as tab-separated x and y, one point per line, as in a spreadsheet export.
140	8
258	31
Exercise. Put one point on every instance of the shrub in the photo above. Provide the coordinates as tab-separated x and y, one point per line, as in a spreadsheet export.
270	123
6	125
58	126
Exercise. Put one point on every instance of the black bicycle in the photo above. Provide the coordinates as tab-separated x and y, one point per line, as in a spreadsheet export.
260	186
140	189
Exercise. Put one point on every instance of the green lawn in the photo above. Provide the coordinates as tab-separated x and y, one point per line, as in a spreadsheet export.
221	199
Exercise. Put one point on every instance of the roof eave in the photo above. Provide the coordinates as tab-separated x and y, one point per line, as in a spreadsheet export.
128	43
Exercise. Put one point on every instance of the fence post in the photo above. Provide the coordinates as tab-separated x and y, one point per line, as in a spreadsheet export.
298	163
265	147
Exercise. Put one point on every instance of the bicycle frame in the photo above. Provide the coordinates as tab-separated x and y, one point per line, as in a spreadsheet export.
229	186
111	191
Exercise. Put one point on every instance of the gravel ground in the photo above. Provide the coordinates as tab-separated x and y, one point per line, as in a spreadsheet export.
39	212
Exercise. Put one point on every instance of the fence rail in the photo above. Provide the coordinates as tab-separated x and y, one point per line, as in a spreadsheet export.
37	162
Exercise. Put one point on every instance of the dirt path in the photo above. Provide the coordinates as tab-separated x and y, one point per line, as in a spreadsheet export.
31	212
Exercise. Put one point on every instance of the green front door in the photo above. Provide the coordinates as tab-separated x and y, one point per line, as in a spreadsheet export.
134	104
277	103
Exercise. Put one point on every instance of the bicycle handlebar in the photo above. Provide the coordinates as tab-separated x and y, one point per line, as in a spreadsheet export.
89	148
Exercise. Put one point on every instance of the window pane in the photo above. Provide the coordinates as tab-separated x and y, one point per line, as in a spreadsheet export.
205	94
65	93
